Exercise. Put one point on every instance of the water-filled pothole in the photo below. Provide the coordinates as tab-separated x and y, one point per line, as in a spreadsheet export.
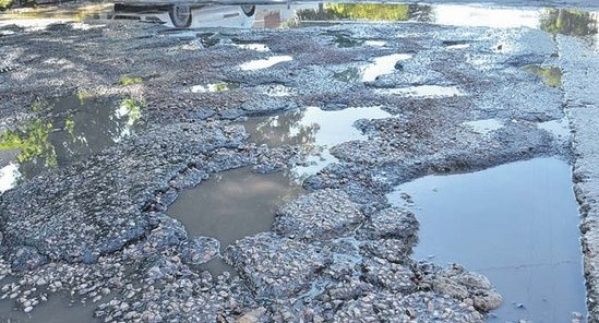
233	204
517	224
485	126
68	128
264	63
559	128
59	308
380	66
552	76
252	46
214	87
314	130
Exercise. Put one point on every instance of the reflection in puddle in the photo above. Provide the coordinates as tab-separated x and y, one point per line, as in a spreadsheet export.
9	175
233	204
365	12
423	91
264	63
375	43
552	76
517	224
214	87
458	46
559	128
572	22
350	75
484	126
314	130
380	66
473	15
71	127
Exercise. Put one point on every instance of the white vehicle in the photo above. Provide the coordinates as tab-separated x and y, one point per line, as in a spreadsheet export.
184	15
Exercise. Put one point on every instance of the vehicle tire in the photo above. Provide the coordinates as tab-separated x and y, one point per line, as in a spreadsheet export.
180	15
248	9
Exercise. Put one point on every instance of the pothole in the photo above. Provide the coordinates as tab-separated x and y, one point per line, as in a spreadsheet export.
423	91
264	63
559	128
232	205
253	46
314	130
455	45
552	76
484	126
517	224
67	129
9	176
214	87
59	308
380	66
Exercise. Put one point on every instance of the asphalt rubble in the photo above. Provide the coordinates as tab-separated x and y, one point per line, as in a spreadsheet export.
97	229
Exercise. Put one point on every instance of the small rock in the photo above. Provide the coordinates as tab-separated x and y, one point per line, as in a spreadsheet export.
253	316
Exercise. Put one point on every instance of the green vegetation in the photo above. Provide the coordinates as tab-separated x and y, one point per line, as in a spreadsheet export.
369	11
551	75
32	141
68	127
573	22
129	80
84	95
5	4
134	109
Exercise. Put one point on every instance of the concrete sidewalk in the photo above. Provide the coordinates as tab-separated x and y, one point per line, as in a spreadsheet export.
580	63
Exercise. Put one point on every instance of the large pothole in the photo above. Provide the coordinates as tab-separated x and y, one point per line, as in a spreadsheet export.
516	224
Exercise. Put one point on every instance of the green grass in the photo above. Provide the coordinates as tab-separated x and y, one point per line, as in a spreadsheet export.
129	80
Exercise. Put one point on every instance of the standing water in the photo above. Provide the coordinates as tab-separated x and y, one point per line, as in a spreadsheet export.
516	224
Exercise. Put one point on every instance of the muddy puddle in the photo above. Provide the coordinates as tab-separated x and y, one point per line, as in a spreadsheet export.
233	205
517	224
59	308
382	65
314	130
65	129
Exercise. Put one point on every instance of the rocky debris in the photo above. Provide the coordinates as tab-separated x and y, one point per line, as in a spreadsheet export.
456	282
94	199
390	223
321	215
253	316
274	266
417	307
199	250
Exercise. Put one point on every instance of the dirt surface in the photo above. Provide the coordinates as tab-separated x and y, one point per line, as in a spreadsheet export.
96	227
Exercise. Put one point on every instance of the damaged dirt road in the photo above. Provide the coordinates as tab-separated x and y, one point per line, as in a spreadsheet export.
105	123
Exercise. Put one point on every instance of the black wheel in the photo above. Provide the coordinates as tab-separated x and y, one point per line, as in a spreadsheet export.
248	9
180	15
